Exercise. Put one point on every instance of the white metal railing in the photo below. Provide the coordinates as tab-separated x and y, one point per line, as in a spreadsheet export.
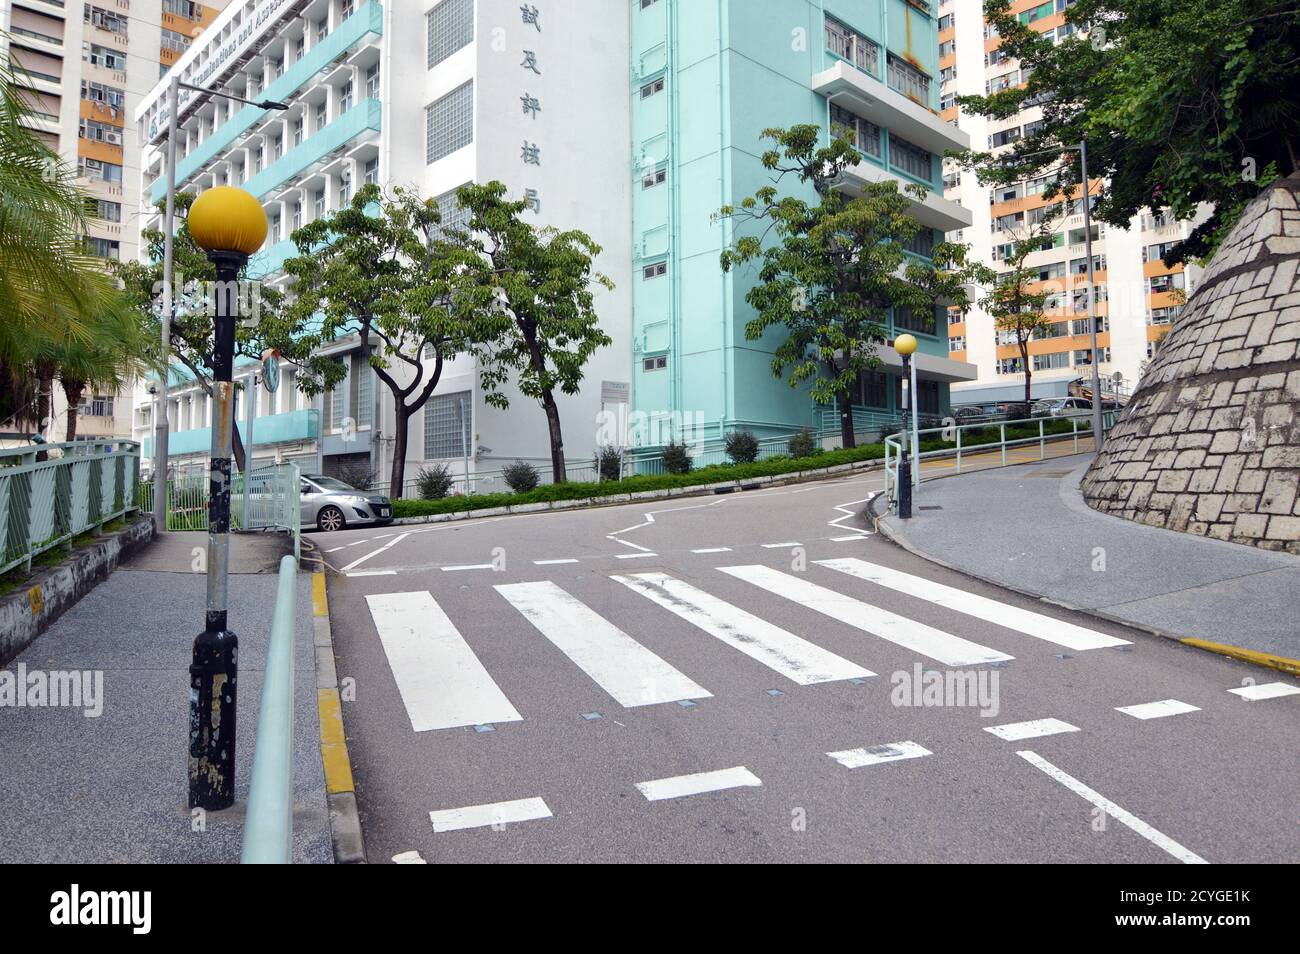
961	435
80	486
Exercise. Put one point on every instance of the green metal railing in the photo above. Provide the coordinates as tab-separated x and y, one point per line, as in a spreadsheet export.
962	435
268	825
79	487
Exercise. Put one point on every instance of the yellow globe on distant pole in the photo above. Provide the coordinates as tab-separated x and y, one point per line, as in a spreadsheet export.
227	219
905	345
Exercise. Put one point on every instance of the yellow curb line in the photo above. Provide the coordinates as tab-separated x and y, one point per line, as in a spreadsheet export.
333	743
1281	663
333	746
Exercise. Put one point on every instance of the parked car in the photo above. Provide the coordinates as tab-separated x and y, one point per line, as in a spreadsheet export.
1063	407
329	504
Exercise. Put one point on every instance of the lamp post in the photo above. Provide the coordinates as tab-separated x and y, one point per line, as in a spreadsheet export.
229	224
905	345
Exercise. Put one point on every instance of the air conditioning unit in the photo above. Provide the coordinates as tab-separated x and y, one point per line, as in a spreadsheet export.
113	138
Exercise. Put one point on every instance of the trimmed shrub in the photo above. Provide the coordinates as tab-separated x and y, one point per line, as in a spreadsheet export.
433	483
521	476
609	460
677	459
804	444
741	447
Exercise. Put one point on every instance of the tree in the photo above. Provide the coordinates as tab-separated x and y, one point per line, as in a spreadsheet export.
1179	103
831	269
1014	304
376	270
527	291
117	350
269	323
50	289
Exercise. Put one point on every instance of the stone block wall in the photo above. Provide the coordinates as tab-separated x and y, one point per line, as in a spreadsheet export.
1210	443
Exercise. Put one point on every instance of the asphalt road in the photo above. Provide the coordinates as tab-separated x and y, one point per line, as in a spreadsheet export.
512	698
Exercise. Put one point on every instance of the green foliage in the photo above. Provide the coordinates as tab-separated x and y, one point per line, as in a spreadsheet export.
803	444
677	458
831	268
521	476
433	482
741	447
527	293
609	462
1180	104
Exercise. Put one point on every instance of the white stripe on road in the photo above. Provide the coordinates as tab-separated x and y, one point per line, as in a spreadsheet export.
371	573
713	550
442	682
875	754
854	536
393	542
620	665
636	556
1015	731
935	643
981	607
495	814
1157	710
778	546
552	562
790	655
682	785
1164	842
467	566
1269	690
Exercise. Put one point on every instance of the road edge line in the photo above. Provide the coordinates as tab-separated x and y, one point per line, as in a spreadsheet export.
340	792
1290	667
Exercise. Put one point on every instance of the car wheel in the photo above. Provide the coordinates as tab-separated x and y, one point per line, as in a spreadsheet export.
330	519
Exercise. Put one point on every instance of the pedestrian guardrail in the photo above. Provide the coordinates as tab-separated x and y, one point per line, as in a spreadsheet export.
970	439
273	501
268	824
80	486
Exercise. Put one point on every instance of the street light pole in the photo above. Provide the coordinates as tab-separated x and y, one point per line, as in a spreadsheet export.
160	424
905	345
229	224
1092	302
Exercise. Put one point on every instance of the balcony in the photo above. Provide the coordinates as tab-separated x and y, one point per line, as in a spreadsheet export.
368	20
873	100
302	425
933	211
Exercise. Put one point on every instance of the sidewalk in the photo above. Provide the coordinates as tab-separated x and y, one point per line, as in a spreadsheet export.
112	788
1027	528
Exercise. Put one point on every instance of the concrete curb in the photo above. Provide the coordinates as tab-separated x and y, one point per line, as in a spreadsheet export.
1281	664
720	487
345	819
30	611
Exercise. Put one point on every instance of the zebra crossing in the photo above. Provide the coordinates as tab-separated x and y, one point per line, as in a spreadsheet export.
443	684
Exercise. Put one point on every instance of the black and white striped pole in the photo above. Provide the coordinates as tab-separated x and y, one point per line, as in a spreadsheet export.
229	224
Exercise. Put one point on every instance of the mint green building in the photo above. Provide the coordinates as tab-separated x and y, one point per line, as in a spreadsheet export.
707	77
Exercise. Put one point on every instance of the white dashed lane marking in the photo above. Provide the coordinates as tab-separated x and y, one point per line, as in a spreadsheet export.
495	814
1157	710
680	786
1015	731
1269	690
876	754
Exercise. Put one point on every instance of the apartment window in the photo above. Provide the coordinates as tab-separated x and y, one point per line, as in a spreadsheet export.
947	21
947	101
1164	283
112	98
299	48
100	132
1038	12
345	98
872	389
450	26
862	133
190	9
97	55
372	81
102	248
104	19
103	209
656	363
906	319
364	375
1164	316
852	46
322	29
658	177
99	170
449	121
171	40
277	147
657	270
345	189
334	405
296	218
907	79
955	318
1004	137
994	57
446	428
647	3
321	116
947	74
1009	366
947	47
909	158
1085	356
1156	253
957	344
275	228
372	171
318	204
1079	266
654	86
258	157
346	8
297	131
101	405
277	68
1052	361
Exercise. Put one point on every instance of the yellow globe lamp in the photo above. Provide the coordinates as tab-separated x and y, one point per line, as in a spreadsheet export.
905	345
226	219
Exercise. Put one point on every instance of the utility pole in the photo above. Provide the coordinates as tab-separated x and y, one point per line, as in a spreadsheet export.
1092	302
160	424
905	345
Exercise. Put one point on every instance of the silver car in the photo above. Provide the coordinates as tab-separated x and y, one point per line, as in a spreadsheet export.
330	504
